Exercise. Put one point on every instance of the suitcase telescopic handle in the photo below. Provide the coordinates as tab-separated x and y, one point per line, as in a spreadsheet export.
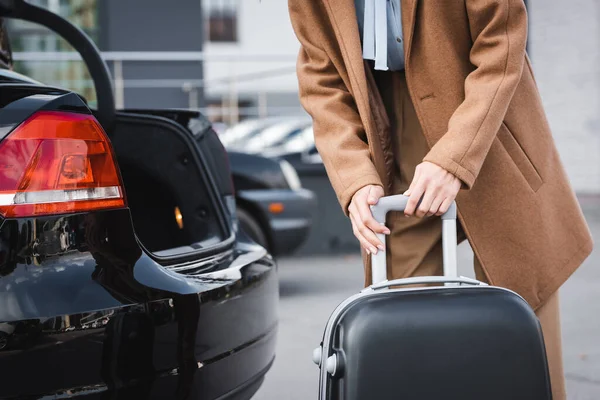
424	280
449	241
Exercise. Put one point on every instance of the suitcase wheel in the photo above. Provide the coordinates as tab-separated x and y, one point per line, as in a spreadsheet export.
317	354
333	365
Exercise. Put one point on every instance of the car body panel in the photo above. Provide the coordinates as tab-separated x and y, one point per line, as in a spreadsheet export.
259	182
289	228
74	278
8	76
88	312
251	172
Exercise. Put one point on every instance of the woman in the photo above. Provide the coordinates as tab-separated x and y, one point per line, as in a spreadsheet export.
437	100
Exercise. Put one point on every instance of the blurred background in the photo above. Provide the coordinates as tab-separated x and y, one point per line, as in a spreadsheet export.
234	60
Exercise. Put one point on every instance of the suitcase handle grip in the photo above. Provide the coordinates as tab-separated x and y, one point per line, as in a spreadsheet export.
399	203
449	241
422	280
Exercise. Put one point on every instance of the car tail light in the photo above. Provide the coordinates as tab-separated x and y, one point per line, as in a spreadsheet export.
56	163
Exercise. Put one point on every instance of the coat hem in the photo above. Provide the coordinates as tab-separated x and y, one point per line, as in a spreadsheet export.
562	275
554	283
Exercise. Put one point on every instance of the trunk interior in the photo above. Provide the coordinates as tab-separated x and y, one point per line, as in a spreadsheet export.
174	212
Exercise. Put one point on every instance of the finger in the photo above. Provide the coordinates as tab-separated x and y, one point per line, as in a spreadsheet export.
352	208
361	214
445	205
414	181
368	227
371	238
358	236
435	205
375	193
431	193
356	229
366	218
413	201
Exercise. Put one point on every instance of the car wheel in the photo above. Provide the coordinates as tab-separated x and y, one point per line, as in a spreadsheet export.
250	225
3	341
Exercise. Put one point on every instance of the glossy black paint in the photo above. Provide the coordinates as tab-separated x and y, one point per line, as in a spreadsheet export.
256	172
161	168
200	128
7	77
87	312
18	102
92	312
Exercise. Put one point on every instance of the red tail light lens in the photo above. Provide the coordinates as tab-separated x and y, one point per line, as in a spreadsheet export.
56	163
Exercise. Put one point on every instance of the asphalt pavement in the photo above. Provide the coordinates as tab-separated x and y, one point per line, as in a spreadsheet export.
311	287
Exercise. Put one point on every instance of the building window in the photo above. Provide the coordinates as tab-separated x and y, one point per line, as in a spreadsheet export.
222	20
32	38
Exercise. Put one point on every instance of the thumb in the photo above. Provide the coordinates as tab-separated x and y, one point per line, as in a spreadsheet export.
375	194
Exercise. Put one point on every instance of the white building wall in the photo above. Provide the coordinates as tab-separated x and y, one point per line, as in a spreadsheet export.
565	52
263	28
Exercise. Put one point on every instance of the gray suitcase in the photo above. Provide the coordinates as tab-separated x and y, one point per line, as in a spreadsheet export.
460	340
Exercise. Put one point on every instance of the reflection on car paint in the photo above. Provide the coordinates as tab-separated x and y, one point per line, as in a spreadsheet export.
93	262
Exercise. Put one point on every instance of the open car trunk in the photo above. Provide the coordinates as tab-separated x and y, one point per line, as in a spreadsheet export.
175	206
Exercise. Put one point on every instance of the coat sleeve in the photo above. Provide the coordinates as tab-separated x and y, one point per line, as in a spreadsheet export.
339	133
499	33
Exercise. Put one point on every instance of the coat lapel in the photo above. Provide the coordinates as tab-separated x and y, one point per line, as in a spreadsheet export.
343	15
409	12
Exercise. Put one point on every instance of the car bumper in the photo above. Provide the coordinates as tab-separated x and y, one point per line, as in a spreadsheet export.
288	228
107	320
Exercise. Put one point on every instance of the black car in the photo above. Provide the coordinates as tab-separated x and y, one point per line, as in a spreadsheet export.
272	206
122	272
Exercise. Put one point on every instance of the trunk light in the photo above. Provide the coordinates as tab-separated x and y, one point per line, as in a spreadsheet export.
178	218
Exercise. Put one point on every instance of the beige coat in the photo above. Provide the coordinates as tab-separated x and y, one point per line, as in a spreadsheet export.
476	98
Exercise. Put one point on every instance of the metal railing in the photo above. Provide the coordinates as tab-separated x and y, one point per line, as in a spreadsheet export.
228	85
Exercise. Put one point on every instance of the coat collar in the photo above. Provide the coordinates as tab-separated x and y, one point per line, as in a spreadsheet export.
343	13
343	16
409	12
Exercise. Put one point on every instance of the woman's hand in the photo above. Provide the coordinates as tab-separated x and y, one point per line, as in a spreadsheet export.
438	188
364	225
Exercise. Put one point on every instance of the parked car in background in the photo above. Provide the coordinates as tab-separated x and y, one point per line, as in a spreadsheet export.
298	143
272	206
273	135
123	273
300	151
219	127
245	129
